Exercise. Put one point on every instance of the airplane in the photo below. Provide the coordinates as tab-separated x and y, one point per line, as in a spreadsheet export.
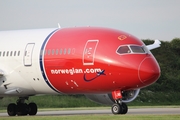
104	64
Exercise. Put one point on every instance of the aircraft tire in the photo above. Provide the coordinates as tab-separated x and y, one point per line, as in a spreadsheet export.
22	109
116	109
124	108
32	108
11	109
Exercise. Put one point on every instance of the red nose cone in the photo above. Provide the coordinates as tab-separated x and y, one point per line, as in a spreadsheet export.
149	71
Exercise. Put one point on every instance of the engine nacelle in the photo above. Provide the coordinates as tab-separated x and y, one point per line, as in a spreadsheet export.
128	96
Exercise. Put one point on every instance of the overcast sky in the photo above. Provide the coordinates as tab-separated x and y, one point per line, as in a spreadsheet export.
153	19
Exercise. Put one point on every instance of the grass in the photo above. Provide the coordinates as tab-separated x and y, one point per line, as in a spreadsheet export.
53	101
145	98
96	117
63	101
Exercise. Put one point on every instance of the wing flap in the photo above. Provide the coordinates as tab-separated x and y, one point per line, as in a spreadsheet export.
13	91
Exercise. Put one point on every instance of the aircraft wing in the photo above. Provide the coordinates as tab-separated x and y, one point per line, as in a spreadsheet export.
7	84
156	44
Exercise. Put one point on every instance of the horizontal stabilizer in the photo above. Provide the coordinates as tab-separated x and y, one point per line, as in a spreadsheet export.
156	44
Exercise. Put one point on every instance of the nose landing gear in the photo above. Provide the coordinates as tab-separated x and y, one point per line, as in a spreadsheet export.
118	107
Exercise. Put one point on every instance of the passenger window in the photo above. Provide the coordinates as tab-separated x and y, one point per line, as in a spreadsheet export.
18	53
69	50
57	51
123	50
11	53
15	53
64	51
49	52
4	53
61	52
53	52
137	49
45	52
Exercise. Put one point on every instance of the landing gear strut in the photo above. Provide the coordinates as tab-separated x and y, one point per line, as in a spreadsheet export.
21	108
118	107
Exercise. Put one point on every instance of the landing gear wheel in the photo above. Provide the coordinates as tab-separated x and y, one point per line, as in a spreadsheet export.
11	109
32	109
124	108
116	109
22	109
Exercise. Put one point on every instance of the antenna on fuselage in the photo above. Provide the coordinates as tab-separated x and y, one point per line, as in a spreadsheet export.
59	26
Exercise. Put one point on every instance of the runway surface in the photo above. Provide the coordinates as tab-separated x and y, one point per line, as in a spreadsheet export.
139	111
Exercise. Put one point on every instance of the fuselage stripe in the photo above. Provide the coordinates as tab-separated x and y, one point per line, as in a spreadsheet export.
41	61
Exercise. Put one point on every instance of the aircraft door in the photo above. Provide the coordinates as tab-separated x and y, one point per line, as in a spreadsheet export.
28	54
89	52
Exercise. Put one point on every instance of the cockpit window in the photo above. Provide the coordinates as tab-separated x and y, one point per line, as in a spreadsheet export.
130	49
123	49
137	49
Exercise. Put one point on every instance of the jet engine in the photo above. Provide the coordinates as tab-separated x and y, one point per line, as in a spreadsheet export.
128	96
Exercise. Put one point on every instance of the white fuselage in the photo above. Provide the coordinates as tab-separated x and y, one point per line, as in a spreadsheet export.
19	63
